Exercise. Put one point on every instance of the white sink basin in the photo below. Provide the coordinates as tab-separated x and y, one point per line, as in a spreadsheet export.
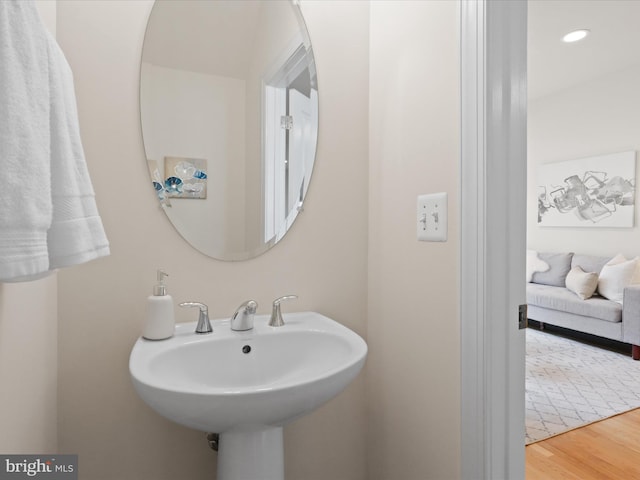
248	381
207	382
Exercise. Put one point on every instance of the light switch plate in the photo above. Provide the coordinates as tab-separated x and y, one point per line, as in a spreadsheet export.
432	217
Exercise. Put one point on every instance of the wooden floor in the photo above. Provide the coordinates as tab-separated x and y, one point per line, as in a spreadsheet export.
609	449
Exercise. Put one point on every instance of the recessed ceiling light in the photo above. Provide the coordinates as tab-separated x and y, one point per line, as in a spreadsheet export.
575	36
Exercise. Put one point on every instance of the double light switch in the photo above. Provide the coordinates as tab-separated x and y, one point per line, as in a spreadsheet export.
432	217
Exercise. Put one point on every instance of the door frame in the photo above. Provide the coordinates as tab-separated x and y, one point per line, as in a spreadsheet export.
493	36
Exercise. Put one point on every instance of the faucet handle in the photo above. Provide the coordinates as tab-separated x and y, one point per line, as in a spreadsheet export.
276	314
243	317
204	326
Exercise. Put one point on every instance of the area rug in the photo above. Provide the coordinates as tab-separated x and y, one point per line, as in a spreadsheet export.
570	384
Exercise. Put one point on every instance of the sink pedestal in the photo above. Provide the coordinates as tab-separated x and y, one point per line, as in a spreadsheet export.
251	454
267	377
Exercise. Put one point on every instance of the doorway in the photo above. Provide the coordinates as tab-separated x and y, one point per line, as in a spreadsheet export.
289	137
582	102
493	44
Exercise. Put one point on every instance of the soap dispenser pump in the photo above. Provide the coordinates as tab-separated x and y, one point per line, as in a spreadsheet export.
160	321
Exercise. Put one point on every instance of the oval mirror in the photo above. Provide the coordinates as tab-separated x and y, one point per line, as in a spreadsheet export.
229	111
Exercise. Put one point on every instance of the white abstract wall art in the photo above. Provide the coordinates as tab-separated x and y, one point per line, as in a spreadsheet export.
588	192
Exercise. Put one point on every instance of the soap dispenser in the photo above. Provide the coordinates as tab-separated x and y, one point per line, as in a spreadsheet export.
160	322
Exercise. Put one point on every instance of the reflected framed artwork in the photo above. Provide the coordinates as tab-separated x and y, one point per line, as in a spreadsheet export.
185	177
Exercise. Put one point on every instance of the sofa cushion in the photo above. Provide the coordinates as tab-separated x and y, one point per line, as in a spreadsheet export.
558	298
589	263
559	266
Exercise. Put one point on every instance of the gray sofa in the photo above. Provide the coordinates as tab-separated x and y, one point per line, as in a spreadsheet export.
550	302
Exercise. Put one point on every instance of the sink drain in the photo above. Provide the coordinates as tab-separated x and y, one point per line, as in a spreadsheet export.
246	349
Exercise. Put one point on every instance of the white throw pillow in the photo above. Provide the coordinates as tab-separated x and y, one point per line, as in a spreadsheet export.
615	276
534	264
582	283
619	258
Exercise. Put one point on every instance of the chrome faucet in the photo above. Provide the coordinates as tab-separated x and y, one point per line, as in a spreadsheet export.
243	317
276	314
204	325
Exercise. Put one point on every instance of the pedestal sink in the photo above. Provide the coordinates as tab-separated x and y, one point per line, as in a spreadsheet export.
246	385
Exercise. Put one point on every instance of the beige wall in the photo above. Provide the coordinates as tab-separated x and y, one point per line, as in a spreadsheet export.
595	118
413	371
28	367
352	251
323	258
28	351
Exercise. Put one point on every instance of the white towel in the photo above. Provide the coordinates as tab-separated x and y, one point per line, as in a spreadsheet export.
76	234
48	215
